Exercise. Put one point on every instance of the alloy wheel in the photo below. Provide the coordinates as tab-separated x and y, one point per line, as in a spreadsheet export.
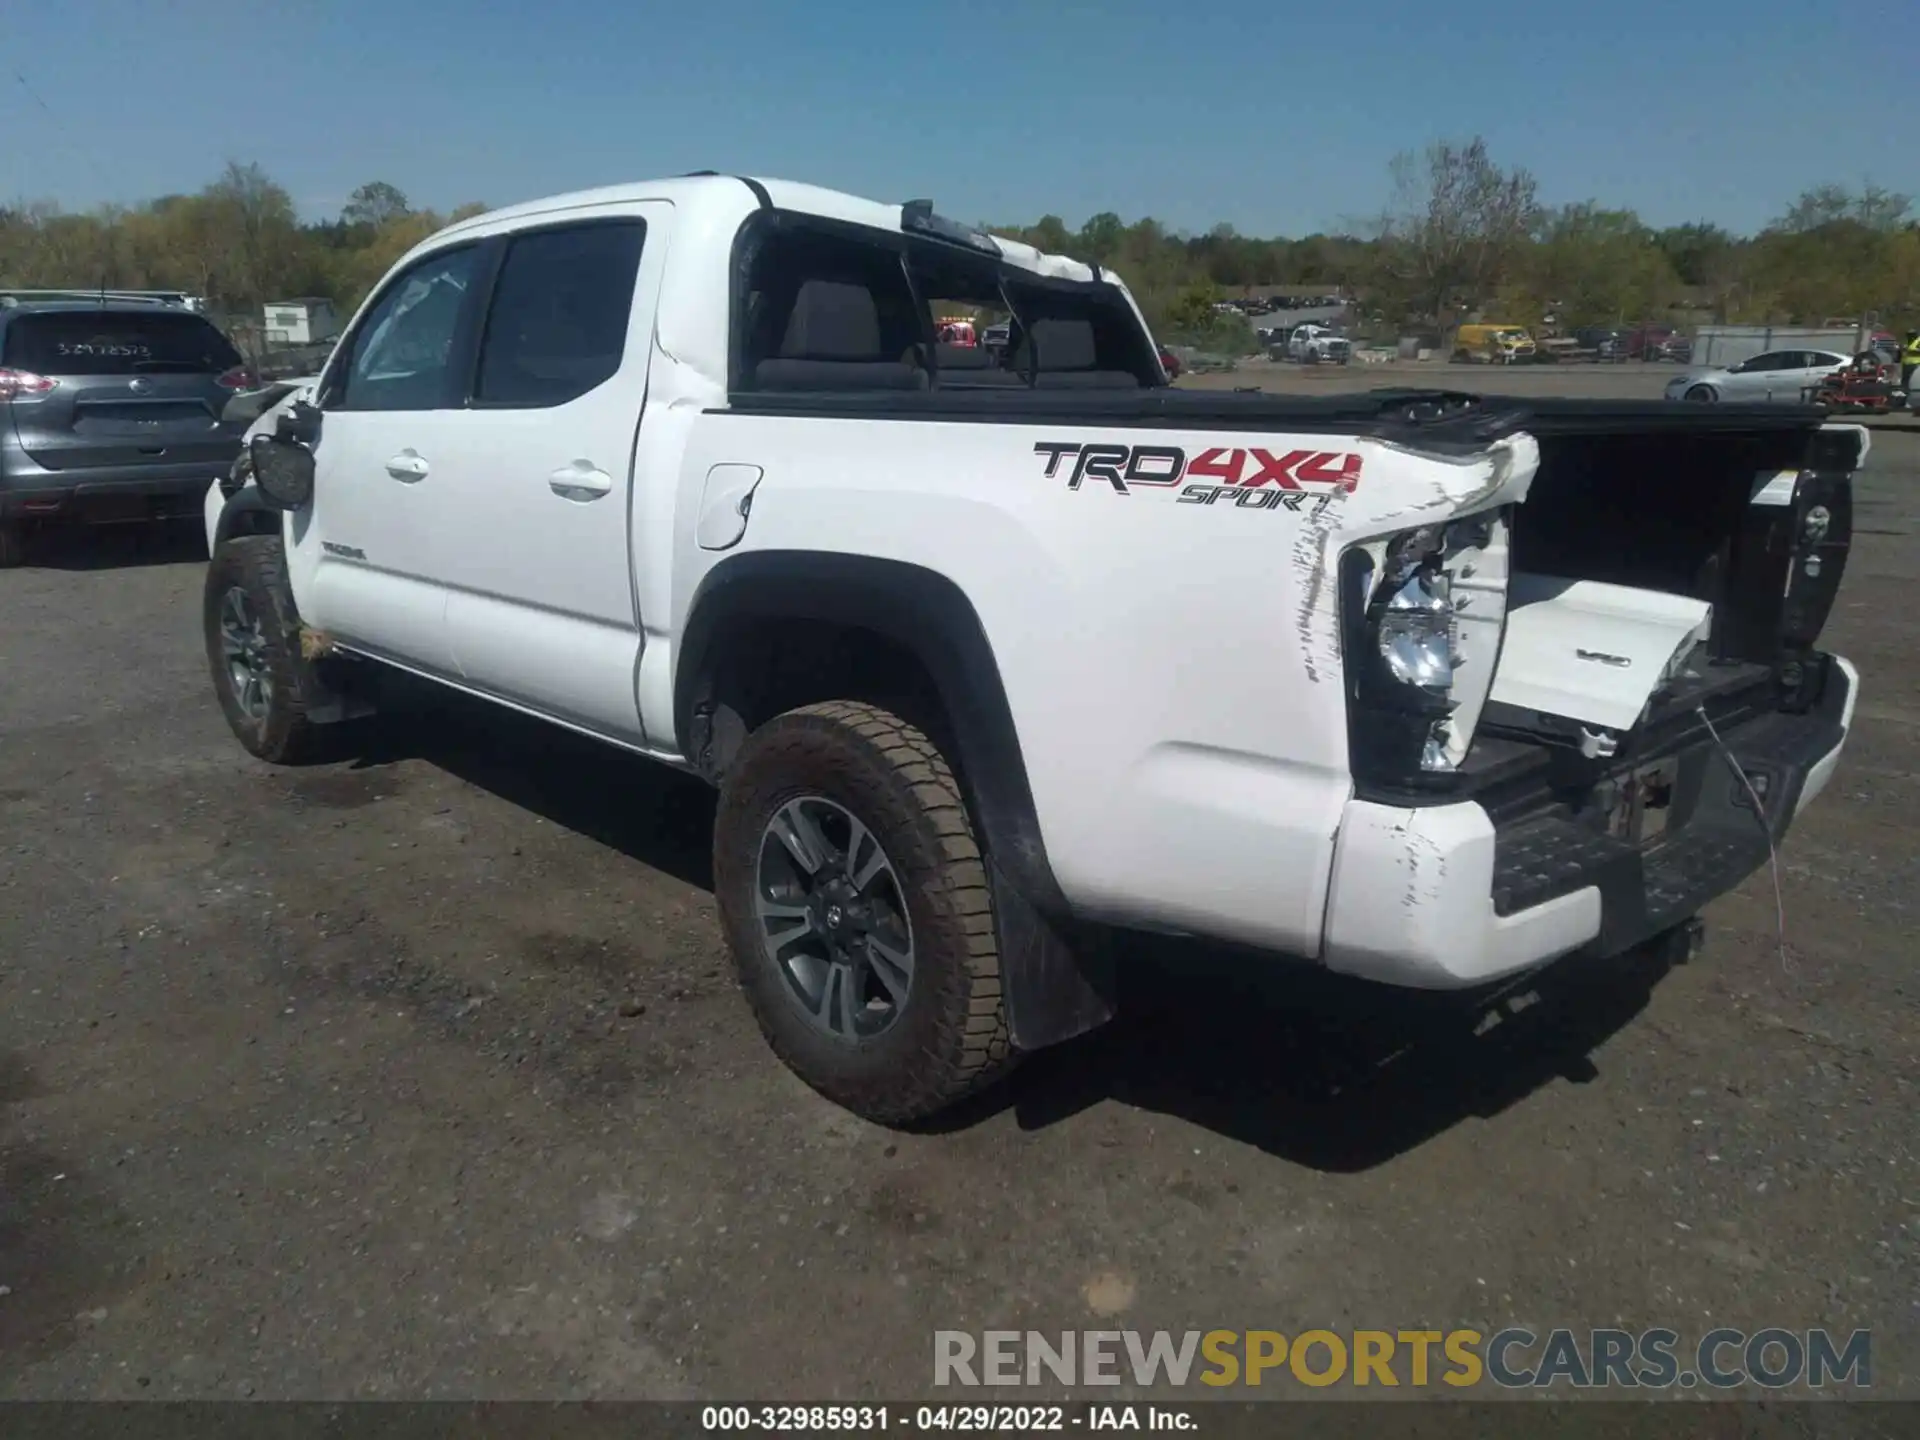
833	919
243	647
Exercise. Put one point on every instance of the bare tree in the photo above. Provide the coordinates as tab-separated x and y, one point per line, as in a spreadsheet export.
376	203
1456	225
1872	209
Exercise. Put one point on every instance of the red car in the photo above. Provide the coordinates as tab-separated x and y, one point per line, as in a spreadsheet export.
1170	362
1656	342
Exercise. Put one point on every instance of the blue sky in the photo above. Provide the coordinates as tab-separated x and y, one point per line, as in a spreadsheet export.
1280	119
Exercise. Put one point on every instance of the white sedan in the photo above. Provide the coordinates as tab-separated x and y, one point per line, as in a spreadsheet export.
1786	376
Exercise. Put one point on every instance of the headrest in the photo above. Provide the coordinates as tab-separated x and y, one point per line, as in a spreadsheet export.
832	320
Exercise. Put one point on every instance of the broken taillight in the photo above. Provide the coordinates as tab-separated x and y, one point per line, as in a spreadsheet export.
24	385
1425	611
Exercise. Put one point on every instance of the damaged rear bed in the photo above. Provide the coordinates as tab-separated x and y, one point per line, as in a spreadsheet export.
1572	646
1658	710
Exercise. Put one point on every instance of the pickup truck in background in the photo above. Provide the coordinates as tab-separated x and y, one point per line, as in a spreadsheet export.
1492	345
1318	345
989	650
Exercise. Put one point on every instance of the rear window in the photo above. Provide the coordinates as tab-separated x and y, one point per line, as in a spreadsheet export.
84	343
828	309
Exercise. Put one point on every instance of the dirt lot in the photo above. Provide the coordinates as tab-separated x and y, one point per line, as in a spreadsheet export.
422	1075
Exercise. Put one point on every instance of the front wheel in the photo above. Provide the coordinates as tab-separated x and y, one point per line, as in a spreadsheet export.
253	650
855	901
1703	395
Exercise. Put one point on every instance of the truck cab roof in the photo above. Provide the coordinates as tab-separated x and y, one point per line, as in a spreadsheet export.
712	198
709	214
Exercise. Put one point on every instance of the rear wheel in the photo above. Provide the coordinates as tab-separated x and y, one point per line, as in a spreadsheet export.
13	545
1703	395
252	637
855	900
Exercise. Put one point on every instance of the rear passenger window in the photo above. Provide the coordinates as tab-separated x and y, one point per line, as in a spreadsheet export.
557	326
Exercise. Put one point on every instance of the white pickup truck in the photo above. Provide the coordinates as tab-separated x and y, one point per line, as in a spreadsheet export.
1312	344
989	652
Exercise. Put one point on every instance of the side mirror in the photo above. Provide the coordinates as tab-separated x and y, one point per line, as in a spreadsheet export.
283	471
300	423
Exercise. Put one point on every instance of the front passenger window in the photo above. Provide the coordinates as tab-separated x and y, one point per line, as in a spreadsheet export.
402	350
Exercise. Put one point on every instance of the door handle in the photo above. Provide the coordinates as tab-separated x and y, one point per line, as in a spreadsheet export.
407	467
580	481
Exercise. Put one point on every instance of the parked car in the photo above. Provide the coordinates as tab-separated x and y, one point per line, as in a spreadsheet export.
572	459
1492	344
1658	343
1169	362
110	412
1779	376
1607	344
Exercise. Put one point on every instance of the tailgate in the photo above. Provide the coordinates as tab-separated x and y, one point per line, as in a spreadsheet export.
1645	563
99	424
129	388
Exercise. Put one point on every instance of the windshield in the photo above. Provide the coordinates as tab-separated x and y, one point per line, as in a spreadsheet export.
81	342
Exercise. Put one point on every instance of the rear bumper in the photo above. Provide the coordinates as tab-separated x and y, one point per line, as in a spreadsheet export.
105	494
1442	898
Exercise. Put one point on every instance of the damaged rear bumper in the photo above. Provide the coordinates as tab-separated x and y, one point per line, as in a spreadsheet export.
1449	896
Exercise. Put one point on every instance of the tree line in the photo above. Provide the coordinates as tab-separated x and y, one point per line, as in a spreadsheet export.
1461	235
238	243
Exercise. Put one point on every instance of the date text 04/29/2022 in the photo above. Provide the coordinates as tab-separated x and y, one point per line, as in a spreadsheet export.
796	1419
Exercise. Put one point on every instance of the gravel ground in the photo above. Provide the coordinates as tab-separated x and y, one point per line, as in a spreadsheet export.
422	1075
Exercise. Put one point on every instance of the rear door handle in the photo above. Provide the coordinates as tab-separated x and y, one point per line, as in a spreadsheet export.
580	481
407	467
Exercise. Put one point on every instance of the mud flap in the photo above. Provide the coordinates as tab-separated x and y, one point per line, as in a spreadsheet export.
1054	988
332	701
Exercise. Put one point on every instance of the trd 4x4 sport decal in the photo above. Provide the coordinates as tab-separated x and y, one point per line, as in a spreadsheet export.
1237	477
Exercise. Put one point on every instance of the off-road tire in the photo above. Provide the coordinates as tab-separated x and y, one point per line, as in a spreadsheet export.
13	546
257	565
951	1038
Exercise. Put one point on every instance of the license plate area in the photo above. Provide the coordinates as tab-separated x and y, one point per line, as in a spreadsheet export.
1639	804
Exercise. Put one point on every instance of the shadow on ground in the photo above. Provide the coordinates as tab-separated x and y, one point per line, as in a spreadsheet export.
64	1246
1332	1073
116	547
1335	1074
656	815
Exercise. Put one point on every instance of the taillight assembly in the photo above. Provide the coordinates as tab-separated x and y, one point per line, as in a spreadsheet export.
238	378
1422	613
24	385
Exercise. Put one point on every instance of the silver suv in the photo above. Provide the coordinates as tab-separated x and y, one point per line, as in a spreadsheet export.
110	412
